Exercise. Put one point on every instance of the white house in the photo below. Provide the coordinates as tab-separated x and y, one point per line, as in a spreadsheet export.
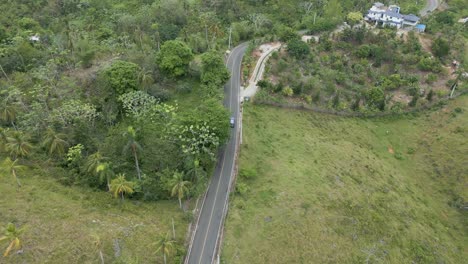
390	16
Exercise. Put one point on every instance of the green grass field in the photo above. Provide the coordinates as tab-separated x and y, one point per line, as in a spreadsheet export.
317	188
61	222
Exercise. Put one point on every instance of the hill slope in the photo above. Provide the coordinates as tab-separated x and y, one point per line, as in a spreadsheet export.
322	189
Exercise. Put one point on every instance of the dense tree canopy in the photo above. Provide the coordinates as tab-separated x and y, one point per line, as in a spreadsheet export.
123	76
174	58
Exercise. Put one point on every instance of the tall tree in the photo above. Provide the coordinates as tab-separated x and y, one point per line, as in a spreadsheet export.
214	72
134	146
120	186
174	58
104	171
54	143
12	235
3	138
12	167
93	161
122	76
18	144
8	113
165	245
180	187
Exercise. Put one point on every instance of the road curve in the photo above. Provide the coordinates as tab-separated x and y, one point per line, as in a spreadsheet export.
431	5
202	249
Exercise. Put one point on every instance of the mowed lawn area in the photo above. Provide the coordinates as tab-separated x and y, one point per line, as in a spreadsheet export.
317	188
72	224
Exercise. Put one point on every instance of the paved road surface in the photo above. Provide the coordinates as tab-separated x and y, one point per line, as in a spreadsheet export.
203	246
431	5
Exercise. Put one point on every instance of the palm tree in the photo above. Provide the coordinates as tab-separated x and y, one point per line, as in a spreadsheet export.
11	167
194	170
3	138
8	113
55	143
18	144
93	161
120	186
11	234
165	245
180	187
134	146
104	171
145	78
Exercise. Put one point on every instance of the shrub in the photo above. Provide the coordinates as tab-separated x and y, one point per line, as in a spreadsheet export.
241	188
414	101
321	25
298	48
429	64
248	173
444	18
316	97
122	76
430	95
287	91
375	98
174	58
399	156
363	51
440	47
431	78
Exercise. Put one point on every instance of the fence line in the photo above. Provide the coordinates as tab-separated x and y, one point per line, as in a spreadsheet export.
305	107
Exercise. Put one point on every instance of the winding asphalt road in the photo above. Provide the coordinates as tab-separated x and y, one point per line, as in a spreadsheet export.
431	5
202	249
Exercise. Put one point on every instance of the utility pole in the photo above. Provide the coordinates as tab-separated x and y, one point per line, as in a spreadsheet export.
230	33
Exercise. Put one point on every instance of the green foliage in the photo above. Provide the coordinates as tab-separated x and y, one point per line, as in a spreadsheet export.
198	139
180	187
354	17
144	107
11	234
287	91
121	186
242	188
430	95
73	113
12	168
363	51
375	98
122	76
75	155
440	47
174	58
54	143
298	48
214	73
444	18
18	144
213	114
248	173
430	64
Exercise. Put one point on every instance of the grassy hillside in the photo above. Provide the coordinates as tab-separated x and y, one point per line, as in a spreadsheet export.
317	188
61	223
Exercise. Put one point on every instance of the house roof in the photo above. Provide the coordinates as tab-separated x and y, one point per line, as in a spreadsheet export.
378	4
411	18
421	26
393	14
